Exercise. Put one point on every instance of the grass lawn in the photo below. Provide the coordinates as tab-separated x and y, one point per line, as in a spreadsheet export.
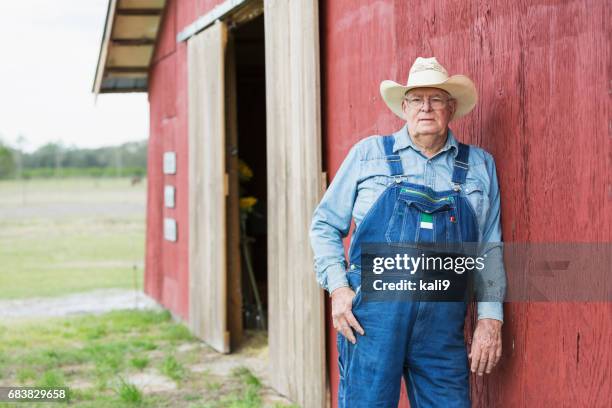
72	235
100	359
60	237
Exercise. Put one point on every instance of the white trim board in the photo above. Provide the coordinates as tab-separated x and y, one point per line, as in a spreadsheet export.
209	18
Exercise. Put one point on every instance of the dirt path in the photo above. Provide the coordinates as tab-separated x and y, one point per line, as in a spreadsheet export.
96	302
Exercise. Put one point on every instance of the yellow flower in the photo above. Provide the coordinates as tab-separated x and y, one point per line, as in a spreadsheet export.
247	203
244	170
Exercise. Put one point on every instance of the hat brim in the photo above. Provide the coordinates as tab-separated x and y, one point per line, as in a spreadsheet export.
459	87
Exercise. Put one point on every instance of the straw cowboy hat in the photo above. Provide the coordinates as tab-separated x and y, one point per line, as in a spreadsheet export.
427	72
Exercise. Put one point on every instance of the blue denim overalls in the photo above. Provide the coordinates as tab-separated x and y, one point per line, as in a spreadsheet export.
423	341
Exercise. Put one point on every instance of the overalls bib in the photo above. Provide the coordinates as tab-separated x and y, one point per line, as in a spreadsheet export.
423	341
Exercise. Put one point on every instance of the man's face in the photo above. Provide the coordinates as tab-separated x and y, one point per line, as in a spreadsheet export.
432	116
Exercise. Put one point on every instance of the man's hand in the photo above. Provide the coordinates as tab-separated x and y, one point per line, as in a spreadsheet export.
486	346
343	318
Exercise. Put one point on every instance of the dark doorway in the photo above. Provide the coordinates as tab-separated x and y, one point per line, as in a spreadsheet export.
248	48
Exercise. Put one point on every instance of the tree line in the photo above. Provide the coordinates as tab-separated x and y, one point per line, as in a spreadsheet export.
57	160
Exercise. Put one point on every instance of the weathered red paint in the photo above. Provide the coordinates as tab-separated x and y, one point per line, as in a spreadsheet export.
543	70
166	275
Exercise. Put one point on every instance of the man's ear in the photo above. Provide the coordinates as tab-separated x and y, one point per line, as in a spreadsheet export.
453	106
404	106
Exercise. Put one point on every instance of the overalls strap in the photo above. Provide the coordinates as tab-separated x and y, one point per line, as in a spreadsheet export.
394	160
460	168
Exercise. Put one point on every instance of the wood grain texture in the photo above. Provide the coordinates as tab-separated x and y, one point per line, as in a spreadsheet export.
167	263
141	27
207	202
542	69
296	331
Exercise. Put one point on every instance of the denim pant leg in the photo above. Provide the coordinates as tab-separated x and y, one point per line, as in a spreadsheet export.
437	371
371	370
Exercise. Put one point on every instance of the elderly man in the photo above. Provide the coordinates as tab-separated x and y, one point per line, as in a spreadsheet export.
418	185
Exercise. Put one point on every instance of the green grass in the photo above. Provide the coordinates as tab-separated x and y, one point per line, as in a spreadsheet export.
80	172
26	374
246	376
51	379
60	258
53	240
129	393
172	368
103	351
246	394
139	362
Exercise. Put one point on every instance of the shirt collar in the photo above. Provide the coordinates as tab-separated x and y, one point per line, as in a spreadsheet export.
402	140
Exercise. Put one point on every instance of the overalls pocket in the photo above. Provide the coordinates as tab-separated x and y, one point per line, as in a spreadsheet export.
343	345
422	215
354	279
341	357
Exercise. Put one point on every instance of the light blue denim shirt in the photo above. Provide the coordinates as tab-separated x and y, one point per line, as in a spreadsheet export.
364	175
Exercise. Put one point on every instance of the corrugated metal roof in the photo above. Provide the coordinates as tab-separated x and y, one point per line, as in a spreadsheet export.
127	45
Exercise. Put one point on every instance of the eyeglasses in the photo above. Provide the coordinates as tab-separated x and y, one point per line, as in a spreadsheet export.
436	102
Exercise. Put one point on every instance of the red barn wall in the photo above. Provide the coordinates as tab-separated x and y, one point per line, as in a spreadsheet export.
167	268
542	69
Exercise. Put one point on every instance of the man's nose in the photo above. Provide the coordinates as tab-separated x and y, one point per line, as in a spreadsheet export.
426	107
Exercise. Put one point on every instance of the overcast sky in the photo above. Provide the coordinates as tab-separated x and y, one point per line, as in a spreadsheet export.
48	56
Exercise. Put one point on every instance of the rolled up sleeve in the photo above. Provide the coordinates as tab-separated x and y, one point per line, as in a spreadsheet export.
490	282
331	222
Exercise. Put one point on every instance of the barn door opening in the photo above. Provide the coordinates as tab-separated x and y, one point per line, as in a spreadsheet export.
246	116
262	107
251	104
228	179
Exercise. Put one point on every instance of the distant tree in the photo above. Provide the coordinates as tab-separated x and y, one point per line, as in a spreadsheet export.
22	142
56	159
7	161
45	156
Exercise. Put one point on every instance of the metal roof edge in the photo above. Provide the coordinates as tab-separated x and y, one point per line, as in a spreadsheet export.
110	11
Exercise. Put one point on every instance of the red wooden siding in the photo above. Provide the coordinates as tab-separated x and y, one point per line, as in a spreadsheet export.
543	70
166	275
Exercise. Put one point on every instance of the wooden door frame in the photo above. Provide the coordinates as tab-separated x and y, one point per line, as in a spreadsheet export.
296	332
208	188
297	340
230	317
